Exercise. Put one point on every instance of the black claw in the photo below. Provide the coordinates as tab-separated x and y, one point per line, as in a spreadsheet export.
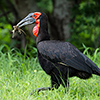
39	89
34	91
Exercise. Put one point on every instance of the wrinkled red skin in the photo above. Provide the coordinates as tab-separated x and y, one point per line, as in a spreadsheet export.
36	28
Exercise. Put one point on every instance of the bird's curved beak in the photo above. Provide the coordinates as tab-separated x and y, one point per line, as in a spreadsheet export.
26	21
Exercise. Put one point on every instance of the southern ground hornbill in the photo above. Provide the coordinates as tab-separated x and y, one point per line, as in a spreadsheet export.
58	59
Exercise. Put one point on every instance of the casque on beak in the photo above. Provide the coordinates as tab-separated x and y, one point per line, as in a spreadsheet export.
26	21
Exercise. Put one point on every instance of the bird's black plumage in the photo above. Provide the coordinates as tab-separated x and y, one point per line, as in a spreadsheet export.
61	59
64	53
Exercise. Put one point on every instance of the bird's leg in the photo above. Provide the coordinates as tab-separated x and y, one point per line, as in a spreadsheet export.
39	89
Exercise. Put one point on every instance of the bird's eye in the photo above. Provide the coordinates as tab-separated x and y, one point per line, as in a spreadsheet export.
34	15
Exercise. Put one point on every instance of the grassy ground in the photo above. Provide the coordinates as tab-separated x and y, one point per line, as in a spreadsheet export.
19	76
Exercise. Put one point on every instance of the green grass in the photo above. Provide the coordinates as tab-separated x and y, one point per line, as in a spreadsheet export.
19	76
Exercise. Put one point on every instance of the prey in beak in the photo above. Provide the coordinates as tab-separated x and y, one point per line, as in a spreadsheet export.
27	20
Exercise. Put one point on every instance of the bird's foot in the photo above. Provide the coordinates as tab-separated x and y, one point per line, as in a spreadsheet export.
39	89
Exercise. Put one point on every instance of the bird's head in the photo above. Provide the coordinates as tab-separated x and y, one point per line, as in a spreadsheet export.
31	19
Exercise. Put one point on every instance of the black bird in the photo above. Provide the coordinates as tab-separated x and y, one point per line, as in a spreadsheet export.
58	59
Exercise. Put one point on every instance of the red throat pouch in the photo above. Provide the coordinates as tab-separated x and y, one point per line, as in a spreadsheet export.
36	28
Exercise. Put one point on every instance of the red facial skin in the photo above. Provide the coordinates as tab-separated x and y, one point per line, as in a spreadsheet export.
37	22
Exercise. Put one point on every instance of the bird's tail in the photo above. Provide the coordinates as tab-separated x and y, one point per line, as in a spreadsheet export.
97	72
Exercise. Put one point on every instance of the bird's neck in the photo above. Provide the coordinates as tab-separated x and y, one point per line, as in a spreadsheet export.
43	33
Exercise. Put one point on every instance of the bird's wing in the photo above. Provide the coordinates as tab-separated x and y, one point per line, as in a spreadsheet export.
66	54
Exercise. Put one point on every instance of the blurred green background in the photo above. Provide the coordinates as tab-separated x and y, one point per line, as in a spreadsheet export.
84	29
